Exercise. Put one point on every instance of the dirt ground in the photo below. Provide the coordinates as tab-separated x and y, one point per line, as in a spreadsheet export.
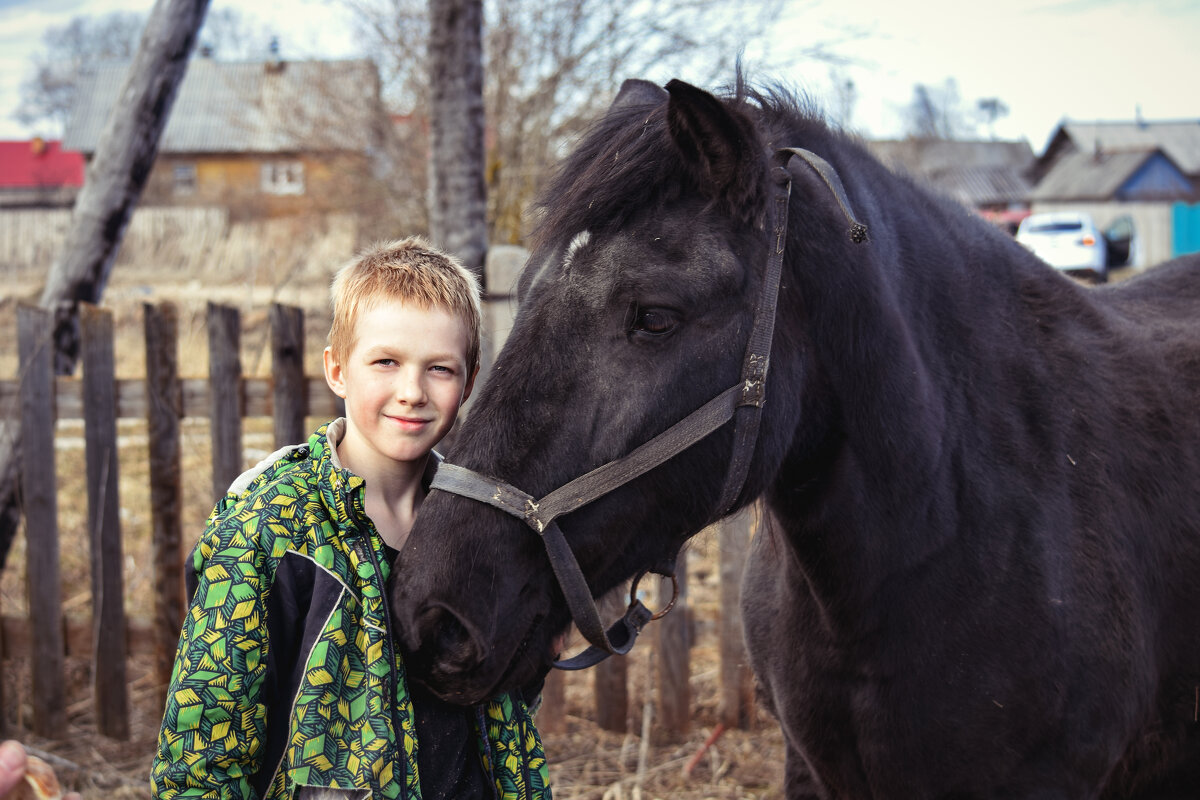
585	761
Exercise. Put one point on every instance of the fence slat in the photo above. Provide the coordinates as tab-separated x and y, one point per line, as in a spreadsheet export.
104	522
673	653
737	682
287	370
35	328
164	407
612	674
552	716
225	377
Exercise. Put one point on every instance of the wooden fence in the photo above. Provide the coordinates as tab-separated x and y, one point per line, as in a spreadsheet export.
163	399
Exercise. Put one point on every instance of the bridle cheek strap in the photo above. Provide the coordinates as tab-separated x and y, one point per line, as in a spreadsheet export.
742	402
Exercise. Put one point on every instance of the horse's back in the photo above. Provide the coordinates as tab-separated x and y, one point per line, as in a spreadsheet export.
1170	290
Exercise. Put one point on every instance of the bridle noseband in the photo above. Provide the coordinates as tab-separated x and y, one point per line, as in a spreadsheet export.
741	402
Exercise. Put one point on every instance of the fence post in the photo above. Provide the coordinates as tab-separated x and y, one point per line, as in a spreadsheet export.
290	391
737	682
35	330
611	674
552	716
225	395
674	661
164	407
104	521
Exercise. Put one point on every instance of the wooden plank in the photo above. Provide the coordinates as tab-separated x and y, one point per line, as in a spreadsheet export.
104	522
672	649
612	674
131	398
225	378
736	706
35	331
163	414
287	371
552	716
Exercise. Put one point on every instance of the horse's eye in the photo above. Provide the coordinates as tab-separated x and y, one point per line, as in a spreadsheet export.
654	321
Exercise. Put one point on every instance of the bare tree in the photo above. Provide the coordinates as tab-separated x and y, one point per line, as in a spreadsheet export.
115	178
554	65
991	109
936	112
69	52
457	203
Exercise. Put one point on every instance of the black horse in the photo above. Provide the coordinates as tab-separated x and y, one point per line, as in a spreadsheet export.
982	572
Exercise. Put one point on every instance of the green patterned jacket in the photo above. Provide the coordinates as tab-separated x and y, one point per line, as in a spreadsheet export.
286	675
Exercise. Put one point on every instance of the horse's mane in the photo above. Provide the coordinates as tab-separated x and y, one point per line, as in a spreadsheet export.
625	161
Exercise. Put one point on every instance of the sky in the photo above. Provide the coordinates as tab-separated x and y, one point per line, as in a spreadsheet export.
1046	61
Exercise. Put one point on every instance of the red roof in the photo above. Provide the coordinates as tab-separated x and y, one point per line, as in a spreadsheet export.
39	164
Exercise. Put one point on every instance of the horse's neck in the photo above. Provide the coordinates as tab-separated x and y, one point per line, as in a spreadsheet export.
875	336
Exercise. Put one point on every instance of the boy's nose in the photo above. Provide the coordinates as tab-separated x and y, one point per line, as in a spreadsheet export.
410	389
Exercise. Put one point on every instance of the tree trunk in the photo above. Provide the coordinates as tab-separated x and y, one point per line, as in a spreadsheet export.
115	178
458	196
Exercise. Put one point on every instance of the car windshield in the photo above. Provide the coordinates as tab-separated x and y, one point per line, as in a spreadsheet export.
1062	226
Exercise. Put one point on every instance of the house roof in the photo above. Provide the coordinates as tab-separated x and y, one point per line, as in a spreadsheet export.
1104	175
974	173
247	107
39	164
926	156
983	186
1179	139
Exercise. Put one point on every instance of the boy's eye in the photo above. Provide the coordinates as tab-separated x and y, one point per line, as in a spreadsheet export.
441	368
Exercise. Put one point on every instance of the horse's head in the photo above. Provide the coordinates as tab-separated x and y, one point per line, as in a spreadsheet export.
635	309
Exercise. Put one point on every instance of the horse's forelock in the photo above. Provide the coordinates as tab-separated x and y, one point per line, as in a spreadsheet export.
627	163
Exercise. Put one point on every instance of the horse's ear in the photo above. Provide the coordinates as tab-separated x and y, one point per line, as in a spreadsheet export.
637	92
719	144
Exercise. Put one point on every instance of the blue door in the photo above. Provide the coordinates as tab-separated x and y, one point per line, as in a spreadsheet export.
1185	228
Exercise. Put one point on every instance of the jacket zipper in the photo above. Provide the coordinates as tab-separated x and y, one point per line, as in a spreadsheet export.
367	553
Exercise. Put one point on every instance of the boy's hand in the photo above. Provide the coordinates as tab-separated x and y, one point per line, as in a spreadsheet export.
26	777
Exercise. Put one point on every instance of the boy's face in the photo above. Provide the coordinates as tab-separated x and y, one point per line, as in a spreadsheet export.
403	382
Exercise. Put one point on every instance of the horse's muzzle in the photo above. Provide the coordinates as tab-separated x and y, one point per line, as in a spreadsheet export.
445	652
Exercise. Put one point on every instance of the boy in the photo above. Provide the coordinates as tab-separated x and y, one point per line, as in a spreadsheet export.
286	674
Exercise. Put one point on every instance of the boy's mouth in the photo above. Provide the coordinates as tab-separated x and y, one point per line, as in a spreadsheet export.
410	423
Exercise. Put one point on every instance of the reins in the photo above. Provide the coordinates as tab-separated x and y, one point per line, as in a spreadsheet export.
741	402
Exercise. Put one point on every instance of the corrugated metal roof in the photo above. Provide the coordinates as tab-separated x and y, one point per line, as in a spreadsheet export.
976	174
247	107
920	157
1091	176
982	186
1178	139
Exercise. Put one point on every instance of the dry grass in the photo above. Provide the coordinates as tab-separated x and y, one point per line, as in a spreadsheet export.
585	762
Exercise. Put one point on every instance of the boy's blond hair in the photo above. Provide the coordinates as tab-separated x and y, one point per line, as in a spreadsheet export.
411	271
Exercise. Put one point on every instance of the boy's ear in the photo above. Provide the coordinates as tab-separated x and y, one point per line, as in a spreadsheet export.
333	373
470	384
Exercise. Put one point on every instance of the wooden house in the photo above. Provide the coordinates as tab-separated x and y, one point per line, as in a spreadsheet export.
260	139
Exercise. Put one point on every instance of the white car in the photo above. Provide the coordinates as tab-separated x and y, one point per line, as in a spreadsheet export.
1068	241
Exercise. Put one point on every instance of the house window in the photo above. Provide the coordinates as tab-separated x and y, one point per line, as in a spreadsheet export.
183	179
283	177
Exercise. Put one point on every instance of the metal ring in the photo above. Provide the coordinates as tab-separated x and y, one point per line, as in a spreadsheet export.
633	589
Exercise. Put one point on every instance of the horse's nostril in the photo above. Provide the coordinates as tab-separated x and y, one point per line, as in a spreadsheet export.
447	644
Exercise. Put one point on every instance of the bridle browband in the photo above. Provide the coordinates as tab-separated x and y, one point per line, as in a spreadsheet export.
741	402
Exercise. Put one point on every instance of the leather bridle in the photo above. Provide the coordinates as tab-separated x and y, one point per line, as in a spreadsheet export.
741	402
